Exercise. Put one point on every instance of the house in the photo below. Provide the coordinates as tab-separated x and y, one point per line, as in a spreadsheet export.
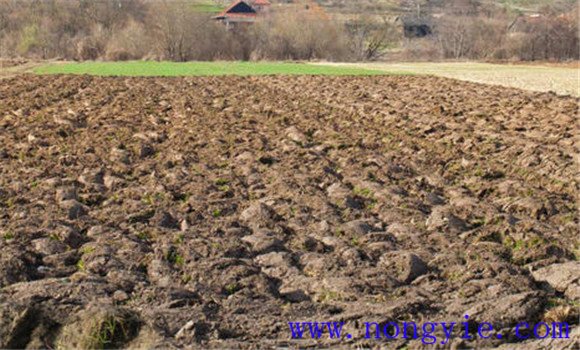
243	12
415	27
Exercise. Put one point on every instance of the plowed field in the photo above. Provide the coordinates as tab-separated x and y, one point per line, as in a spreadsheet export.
141	212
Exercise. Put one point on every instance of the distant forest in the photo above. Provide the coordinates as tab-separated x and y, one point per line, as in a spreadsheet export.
372	30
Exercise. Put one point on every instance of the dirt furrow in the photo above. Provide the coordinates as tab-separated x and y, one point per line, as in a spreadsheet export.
211	211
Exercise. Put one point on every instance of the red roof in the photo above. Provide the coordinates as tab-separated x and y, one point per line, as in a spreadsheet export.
262	2
232	11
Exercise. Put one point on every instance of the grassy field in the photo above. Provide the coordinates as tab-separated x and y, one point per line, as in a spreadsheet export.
562	80
206	6
141	68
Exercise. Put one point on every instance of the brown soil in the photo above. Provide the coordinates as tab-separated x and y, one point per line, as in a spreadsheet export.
141	212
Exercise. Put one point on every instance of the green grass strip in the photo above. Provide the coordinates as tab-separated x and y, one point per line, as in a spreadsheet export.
172	69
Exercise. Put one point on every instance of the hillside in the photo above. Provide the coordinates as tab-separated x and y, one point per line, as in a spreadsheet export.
400	6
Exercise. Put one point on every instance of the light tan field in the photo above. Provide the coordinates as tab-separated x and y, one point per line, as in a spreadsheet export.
561	80
10	68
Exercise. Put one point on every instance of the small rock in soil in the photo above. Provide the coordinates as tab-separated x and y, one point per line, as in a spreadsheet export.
74	209
407	266
258	215
263	241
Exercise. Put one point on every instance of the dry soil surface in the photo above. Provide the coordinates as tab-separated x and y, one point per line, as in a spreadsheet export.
209	212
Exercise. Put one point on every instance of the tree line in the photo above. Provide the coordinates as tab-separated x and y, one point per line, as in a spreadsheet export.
173	30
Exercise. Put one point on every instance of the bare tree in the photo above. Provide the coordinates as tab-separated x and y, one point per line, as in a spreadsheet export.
414	7
299	35
173	25
369	37
549	37
129	43
111	13
172	30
